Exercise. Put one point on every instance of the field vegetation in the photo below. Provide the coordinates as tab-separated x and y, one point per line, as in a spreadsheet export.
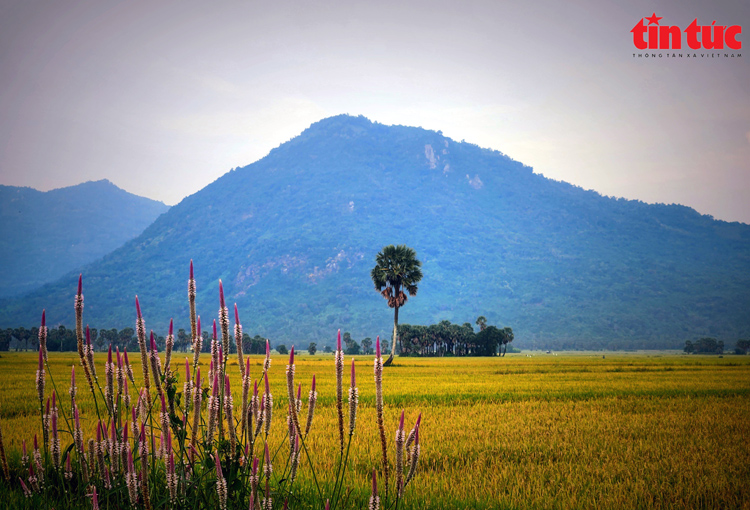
569	431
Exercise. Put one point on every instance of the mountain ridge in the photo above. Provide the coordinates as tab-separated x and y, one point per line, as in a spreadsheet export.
294	235
49	233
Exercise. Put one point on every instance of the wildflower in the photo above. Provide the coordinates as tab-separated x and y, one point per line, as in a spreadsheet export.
294	426
43	336
100	447
213	409
254	483
311	401
295	460
26	491
195	329
144	468
268	405
339	360
131	480
95	500
353	401
68	469
221	484
187	389
378	369
267	470
109	390
164	416
238	340
40	378
414	456
224	321
140	329
38	461
267	361
245	399
55	447
128	368
171	478
155	365
374	499
90	353
228	406
214	354
400	437
196	413
169	343
78	432
410	439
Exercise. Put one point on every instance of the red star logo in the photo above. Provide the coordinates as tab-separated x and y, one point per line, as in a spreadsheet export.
654	19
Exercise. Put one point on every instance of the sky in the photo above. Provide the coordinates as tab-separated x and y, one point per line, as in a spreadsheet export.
162	98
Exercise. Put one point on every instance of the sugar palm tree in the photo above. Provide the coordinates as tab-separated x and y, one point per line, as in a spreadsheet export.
396	270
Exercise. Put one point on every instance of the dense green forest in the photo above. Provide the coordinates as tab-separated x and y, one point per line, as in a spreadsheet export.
294	237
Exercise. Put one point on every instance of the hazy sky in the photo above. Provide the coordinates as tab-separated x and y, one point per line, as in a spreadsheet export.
162	98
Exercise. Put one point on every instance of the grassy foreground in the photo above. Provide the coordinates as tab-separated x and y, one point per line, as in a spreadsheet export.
568	431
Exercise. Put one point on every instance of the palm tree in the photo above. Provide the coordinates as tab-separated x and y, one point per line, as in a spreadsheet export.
396	269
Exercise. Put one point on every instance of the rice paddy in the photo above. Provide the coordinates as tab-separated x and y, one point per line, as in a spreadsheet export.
569	431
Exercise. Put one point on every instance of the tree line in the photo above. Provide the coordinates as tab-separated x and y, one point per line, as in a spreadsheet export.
708	345
447	339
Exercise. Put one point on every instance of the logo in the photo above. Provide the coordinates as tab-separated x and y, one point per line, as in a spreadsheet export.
664	37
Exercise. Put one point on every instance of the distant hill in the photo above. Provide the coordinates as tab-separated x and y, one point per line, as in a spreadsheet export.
294	236
45	235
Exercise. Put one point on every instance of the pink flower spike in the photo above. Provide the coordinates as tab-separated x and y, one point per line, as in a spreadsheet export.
138	308
299	391
255	466
80	284
338	341
67	464
313	384
187	369
236	315
47	407
255	391
291	356
416	435
125	432
119	358
419	420
143	432
198	377
125	355
268	390
268	348
328	505
94	500
214	329
191	270
221	353
99	432
169	441
401	423
247	448
43	318
109	354
221	294
88	336
219	474
215	389
114	431
247	365
41	359
36	443
54	399
377	347
374	483
268	455
199	326
354	378
171	327
211	367
73	376
78	417
163	403
133	410
226	385
153	342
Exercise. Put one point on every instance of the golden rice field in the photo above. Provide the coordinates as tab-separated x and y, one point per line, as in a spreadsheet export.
568	431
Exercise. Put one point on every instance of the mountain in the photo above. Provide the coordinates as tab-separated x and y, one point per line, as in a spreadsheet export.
48	234
294	235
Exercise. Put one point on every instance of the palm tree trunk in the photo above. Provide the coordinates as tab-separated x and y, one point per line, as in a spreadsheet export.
395	334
